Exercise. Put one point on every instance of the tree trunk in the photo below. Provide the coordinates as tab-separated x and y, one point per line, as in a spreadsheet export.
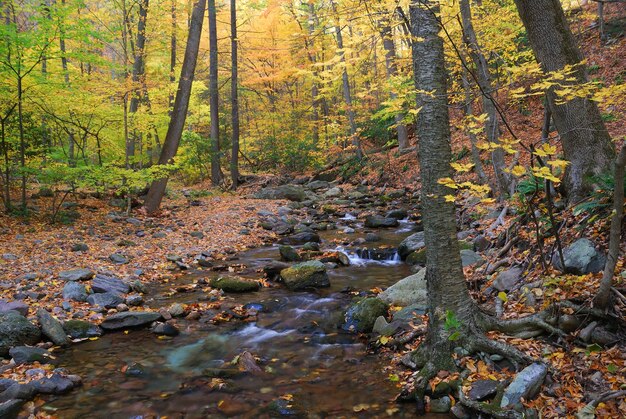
234	95
586	142
172	56
347	95
181	104
314	88
66	78
484	79
138	72
392	71
216	171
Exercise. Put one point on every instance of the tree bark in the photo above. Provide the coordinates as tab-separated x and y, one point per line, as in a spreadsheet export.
347	95
216	171
392	71
234	95
484	78
172	56
586	142
181	104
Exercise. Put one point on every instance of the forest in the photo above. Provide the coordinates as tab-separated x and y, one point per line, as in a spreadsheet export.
321	208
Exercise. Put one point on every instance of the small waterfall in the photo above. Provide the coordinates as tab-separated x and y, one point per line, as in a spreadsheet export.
348	217
364	255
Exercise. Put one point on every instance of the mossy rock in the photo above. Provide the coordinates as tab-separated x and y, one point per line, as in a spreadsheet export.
305	275
234	284
362	315
417	258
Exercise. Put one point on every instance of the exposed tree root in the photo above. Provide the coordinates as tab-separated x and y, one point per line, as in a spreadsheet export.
488	408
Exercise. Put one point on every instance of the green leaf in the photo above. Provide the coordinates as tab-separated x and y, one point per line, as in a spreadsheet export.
455	336
594	347
612	368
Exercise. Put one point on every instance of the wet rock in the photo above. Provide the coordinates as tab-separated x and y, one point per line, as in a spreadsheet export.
581	257
16	330
121	307
129	319
300	238
29	354
19	306
441	405
105	299
398	214
80	329
52	328
247	363
459	412
372	237
417	258
165	329
408	291
290	192
376	221
204	262
79	247
18	391
507	280
408	314
526	384
134	300
469	258
234	284
10	409
305	275
272	270
411	244
138	286
362	315
56	384
282	407
311	246
75	291
176	310
118	259
82	274
288	254
481	243
483	390
102	284
6	383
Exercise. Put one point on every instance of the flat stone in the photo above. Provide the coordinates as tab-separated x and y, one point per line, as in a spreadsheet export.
75	291
305	275
18	306
109	284
483	390
376	221
81	274
105	299
300	238
29	354
507	280
469	258
56	384
408	291
129	319
52	328
526	384
118	259
10	409
80	329
234	284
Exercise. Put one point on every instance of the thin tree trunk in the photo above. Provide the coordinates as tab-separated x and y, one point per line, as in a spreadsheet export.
138	72
216	171
469	111
586	142
314	88
172	57
347	95
7	170
20	116
66	78
234	94
486	85
392	71
181	104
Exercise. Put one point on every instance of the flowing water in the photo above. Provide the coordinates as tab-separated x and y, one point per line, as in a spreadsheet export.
309	363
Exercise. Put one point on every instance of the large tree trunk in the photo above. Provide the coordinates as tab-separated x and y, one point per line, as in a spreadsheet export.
234	96
347	95
586	142
216	171
486	86
181	103
392	71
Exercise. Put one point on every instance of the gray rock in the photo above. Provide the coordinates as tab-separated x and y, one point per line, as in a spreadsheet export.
16	330
318	184
134	300
110	284
441	405
118	259
383	328
398	214
408	291
411	244
79	247
10	409
300	238
469	257
288	254
290	192
507	280
18	391
234	284
272	270
483	390
165	329
80	329
81	274
129	319
18	306
176	310
362	315
526	384
105	299
75	291
56	384
332	193
409	313
6	383
481	243
52	328
29	354
581	257
372	237
311	246
376	221
569	323
305	275
138	286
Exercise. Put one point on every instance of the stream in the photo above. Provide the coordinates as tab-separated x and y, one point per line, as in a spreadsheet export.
312	367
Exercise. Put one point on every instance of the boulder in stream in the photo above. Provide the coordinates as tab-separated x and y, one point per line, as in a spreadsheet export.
234	284
52	328
288	254
362	315
16	330
80	329
408	291
129	319
376	221
305	275
300	238
411	244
